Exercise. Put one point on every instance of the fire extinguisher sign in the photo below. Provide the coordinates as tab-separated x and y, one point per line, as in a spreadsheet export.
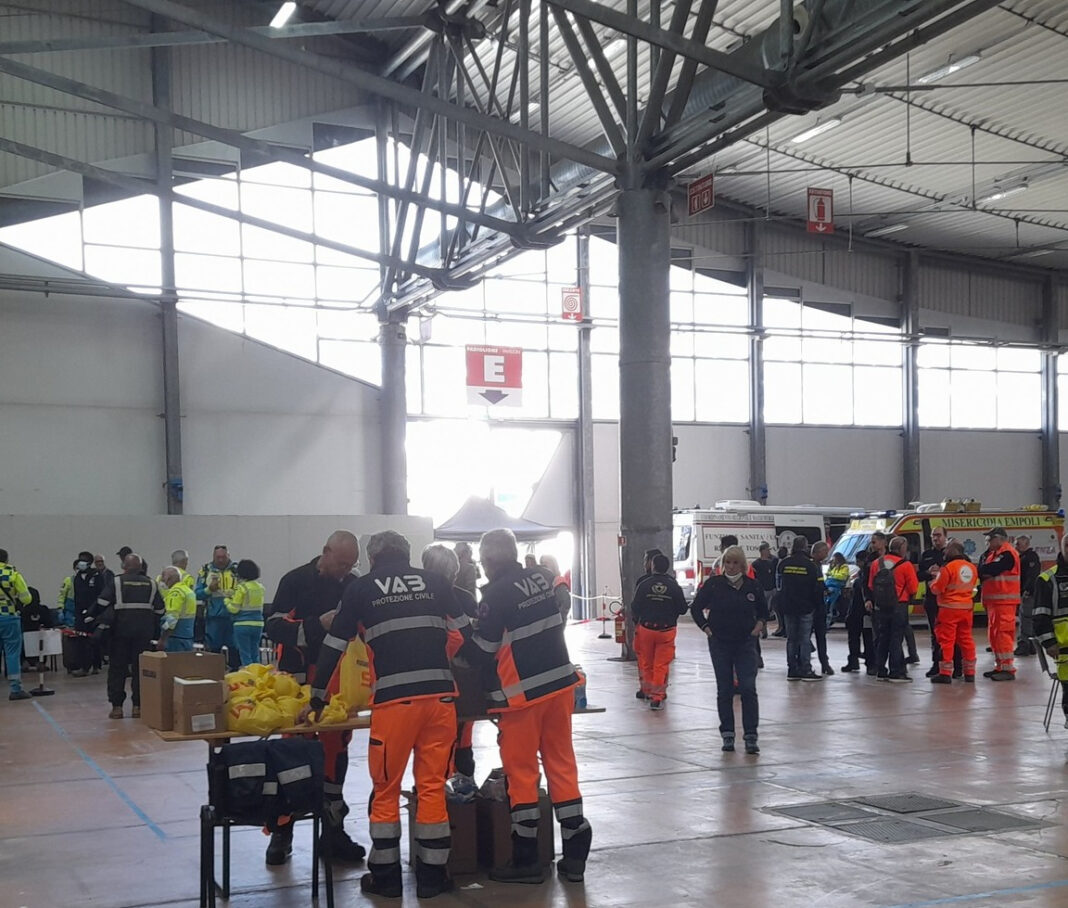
821	211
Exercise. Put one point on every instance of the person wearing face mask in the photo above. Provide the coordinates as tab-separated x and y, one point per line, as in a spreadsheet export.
731	611
179	612
658	602
86	587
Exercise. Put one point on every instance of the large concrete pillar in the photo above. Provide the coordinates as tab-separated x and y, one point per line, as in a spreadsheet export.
1050	437
910	397
586	548
754	285
643	231
394	420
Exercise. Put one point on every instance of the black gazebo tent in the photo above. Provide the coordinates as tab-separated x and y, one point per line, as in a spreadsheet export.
479	515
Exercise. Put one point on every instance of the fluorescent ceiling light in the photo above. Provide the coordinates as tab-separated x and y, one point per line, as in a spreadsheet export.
998	194
953	66
888	229
284	14
1034	253
817	130
615	47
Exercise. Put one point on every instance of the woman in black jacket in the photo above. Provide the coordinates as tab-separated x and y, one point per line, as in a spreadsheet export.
730	609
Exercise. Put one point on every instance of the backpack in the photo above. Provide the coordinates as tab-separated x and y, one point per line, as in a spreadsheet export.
883	587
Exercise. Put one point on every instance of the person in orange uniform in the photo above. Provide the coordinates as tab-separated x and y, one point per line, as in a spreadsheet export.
406	617
954	585
658	602
999	573
521	627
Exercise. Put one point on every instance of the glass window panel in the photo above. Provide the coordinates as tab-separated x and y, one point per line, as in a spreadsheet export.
57	238
292	207
526	297
360	359
561	262
267	244
877	353
877	396
1062	367
681	343
1062	403
128	222
444	381
604	303
818	319
680	279
279	279
345	284
932	355
413	382
341	325
286	327
277	174
721	346
207	272
458	331
605	340
933	392
198	231
786	349
704	284
563	386
349	219
718	309
470	300
973	399
782	393
358	157
780	313
828	394
535	389
604	386
1019	400
529	265
133	267
682	390
563	336
1019	359
218	191
722	390
970	356
604	263
528	335
826	350
226	315
681	306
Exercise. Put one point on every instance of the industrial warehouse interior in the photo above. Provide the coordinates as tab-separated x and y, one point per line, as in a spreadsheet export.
616	275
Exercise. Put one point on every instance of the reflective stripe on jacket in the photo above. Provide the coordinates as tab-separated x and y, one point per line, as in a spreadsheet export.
955	584
13	590
246	604
179	610
1003	588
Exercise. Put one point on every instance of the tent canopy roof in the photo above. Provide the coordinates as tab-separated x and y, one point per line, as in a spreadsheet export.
479	515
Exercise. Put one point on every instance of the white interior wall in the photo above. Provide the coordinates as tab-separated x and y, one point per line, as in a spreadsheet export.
711	463
836	467
1000	469
43	547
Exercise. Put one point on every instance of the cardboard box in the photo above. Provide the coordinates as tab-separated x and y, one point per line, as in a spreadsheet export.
157	674
463	827
198	706
495	832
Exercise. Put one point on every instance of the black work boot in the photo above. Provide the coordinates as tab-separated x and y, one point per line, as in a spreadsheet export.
577	836
524	866
383	880
281	846
335	842
431	879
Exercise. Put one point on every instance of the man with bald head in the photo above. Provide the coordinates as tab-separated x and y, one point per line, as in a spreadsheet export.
302	610
131	609
179	612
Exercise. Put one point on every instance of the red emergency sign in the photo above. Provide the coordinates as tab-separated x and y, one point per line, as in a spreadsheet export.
494	375
821	211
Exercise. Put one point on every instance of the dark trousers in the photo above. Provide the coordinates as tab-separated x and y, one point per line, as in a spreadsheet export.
798	644
819	629
856	633
890	626
730	659
123	657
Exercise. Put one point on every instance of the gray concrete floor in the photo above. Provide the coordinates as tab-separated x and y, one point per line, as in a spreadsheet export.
99	812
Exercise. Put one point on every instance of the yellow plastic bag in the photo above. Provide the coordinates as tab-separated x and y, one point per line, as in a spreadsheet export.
250	716
354	685
239	683
290	708
335	711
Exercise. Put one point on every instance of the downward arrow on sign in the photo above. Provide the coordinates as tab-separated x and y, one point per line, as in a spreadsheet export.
494	397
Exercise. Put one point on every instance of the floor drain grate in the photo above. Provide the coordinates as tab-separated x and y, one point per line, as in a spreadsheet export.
910	802
893	830
979	819
826	812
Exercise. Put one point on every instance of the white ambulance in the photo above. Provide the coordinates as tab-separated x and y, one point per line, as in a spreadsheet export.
697	533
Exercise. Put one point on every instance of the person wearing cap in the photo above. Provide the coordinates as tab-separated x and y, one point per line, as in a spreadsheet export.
999	574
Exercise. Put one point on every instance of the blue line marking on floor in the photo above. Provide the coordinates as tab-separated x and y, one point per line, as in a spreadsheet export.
994	893
111	783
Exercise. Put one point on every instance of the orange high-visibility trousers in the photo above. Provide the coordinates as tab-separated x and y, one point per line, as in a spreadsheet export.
655	651
953	627
1002	632
426	727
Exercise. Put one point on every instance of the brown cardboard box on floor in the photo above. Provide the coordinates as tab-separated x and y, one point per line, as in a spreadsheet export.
463	827
158	671
495	832
198	706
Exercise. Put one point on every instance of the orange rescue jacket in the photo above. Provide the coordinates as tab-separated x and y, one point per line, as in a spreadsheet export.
1003	588
954	587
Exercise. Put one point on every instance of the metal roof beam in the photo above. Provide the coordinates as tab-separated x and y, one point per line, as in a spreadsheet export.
180	39
244	143
667	40
377	85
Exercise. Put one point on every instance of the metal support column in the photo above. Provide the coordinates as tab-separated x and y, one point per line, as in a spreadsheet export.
587	541
394	410
910	397
644	382
172	398
1050	438
758	443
